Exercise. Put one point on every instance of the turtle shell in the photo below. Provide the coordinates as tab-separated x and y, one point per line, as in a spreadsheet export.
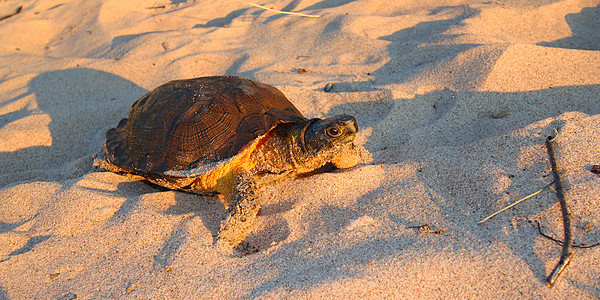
186	123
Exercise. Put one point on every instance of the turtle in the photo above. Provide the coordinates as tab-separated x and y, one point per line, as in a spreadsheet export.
226	136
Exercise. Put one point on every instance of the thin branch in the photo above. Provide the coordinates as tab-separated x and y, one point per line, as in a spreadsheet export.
279	11
17	11
582	246
516	202
560	267
567	250
426	229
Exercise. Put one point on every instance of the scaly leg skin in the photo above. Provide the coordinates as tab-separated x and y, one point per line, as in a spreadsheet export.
242	214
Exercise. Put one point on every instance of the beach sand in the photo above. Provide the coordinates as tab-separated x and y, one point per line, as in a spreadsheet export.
422	78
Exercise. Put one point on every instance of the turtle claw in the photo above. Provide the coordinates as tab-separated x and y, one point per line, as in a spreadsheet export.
245	248
242	249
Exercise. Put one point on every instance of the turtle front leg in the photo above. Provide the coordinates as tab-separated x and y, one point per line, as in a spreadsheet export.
242	212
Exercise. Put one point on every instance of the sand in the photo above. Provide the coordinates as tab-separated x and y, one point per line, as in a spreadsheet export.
423	79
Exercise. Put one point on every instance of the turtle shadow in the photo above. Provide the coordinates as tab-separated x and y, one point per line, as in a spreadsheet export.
208	208
81	104
211	211
191	206
175	239
267	236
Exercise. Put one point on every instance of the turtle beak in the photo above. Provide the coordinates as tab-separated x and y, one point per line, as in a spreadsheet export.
351	126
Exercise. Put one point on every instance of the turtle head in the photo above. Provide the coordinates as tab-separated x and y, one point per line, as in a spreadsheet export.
319	141
324	135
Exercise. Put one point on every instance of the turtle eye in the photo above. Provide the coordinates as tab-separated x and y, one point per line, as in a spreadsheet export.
333	132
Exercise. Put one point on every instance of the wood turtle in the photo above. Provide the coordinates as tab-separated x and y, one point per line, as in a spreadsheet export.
228	136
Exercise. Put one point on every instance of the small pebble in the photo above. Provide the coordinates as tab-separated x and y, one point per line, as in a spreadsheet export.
328	88
130	288
68	296
500	114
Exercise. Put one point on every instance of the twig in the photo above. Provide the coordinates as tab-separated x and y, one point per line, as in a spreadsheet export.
582	246
516	202
279	11
426	229
567	250
18	10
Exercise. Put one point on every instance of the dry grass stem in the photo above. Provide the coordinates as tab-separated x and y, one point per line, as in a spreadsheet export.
517	202
279	11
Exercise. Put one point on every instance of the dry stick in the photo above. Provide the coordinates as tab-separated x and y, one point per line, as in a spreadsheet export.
279	11
516	202
18	10
567	252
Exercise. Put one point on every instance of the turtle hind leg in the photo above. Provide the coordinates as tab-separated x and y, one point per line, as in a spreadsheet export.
242	214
